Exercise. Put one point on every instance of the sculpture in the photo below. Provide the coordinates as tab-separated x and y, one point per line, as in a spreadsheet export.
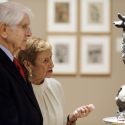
120	98
121	24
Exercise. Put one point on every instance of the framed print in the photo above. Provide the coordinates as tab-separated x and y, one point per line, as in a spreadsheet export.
64	49
61	15
2	1
95	16
95	55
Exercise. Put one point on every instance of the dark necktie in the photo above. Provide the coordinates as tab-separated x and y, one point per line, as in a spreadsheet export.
19	67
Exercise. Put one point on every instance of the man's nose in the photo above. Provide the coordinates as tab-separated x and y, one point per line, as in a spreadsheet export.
28	32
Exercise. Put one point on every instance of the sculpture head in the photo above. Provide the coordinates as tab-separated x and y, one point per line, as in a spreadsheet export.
121	24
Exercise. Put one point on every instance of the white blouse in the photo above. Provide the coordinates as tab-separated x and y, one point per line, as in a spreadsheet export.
50	99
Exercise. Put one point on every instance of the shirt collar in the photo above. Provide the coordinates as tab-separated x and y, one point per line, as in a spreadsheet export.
7	52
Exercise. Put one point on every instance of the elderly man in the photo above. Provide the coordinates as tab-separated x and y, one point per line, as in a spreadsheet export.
18	105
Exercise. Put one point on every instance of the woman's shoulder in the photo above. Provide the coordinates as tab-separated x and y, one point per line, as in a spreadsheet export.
53	83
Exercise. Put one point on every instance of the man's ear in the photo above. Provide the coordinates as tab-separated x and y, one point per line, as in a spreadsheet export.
3	30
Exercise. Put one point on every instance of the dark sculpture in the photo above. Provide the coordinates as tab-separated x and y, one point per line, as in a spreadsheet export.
121	24
120	98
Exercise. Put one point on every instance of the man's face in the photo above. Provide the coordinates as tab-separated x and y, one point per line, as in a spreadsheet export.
17	35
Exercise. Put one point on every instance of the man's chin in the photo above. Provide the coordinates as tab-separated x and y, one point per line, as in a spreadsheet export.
23	46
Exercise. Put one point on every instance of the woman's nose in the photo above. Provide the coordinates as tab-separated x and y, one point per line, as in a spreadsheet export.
52	64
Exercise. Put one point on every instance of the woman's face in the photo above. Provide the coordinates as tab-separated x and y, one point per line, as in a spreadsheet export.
43	66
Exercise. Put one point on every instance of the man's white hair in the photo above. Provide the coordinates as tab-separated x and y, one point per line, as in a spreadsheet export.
12	13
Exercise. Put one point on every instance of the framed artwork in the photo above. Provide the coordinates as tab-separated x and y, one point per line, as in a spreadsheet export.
64	49
61	15
95	55
95	16
2	1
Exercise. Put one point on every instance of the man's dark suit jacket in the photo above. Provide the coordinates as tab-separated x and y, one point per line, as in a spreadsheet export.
18	105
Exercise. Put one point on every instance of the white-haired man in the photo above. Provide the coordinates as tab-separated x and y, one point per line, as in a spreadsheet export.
18	105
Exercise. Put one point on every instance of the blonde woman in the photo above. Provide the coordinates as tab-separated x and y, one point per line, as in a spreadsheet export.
38	65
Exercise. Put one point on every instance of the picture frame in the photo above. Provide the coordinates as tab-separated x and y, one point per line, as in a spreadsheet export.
95	16
95	55
2	1
61	15
64	49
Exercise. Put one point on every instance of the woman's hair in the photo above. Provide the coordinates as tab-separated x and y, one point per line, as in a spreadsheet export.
34	46
12	13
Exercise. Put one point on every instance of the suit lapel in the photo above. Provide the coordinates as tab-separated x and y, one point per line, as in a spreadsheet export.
10	67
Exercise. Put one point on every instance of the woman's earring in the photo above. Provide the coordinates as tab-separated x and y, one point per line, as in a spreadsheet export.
30	72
